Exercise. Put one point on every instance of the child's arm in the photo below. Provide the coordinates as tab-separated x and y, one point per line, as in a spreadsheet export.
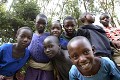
9	78
1	77
5	78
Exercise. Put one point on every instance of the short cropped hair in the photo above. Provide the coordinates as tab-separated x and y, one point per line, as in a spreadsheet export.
24	28
83	16
69	18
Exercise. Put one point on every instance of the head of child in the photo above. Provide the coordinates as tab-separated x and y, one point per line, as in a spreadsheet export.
69	24
24	37
104	19
40	23
56	29
87	18
81	53
51	46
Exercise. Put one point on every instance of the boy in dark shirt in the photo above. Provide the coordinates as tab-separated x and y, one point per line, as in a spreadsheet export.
59	57
96	35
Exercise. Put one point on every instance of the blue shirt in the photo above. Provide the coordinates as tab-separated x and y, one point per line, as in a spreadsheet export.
9	65
107	71
64	39
63	43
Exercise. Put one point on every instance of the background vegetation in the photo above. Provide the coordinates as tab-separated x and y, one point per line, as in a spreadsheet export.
23	12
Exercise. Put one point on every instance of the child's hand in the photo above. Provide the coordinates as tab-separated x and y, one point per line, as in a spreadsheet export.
9	78
20	76
1	77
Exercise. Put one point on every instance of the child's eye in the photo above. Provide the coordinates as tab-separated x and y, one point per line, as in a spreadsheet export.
86	52
50	46
22	36
29	37
75	57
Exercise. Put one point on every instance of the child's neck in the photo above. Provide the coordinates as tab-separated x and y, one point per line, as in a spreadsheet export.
17	47
38	33
17	52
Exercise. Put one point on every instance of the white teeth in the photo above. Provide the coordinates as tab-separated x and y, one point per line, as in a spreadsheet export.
85	66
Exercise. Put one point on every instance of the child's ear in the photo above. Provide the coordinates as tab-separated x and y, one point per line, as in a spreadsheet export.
59	45
16	35
69	57
93	49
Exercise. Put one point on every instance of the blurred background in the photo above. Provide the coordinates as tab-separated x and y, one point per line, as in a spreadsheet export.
17	13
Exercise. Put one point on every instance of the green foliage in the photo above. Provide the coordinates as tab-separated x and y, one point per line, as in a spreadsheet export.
27	11
72	8
22	14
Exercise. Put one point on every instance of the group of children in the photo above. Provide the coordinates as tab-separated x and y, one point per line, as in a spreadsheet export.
83	54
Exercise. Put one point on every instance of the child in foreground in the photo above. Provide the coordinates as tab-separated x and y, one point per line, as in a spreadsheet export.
59	57
86	66
14	55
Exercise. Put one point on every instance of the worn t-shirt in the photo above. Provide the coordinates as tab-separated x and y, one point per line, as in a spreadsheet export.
63	64
107	71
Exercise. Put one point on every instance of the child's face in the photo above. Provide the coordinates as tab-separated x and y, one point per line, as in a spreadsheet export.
40	24
24	38
104	19
81	55
50	48
69	26
56	29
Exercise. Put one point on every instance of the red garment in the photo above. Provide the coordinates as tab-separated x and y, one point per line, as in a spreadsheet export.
112	33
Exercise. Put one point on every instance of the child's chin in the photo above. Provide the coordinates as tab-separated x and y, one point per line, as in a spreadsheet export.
86	67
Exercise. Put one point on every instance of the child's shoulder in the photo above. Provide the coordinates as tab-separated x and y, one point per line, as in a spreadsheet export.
73	69
47	33
6	45
106	61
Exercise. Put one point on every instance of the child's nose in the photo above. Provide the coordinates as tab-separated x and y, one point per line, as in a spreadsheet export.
106	19
55	29
41	25
47	50
70	27
82	58
25	39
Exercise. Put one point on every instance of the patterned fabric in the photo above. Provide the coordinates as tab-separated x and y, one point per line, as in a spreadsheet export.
112	33
36	48
108	71
37	54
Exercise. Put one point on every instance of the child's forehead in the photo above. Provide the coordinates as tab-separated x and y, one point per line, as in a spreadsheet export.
50	40
75	43
69	20
104	16
25	32
56	25
79	43
39	18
